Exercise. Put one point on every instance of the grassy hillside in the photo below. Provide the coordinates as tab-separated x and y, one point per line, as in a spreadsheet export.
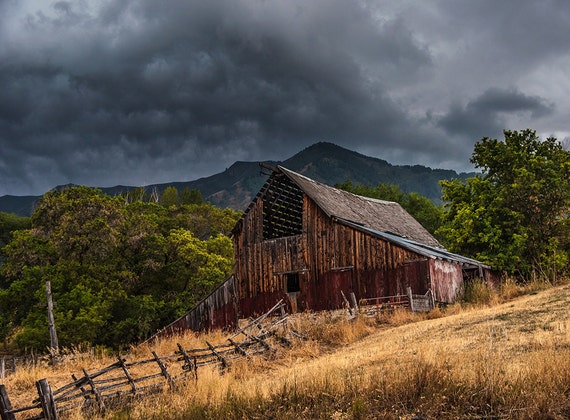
509	360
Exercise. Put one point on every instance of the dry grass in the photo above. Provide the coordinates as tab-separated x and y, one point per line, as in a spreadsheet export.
484	360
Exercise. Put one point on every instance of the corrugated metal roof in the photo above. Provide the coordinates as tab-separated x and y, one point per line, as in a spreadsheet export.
379	215
420	248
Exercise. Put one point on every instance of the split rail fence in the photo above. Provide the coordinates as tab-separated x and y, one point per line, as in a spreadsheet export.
122	380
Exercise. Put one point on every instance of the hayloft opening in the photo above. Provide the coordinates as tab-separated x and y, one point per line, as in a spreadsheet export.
282	209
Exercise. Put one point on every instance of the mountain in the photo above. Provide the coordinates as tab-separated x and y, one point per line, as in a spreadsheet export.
324	162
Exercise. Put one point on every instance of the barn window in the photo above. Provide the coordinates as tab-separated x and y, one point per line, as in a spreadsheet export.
293	282
282	209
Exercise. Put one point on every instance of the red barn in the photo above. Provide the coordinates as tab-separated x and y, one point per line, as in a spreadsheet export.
306	242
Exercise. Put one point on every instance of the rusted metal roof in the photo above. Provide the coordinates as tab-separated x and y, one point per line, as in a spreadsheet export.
378	215
418	247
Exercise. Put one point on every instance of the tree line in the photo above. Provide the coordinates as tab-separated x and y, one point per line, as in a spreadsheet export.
119	269
122	267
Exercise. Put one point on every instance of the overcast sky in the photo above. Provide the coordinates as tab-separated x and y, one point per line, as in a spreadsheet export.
137	92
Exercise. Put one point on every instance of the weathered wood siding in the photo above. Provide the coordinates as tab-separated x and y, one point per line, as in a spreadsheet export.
259	265
328	257
216	311
395	281
446	280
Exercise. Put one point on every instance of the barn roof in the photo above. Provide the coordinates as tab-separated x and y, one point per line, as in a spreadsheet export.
420	248
378	215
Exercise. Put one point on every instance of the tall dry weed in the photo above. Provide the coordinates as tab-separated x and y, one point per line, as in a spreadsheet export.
479	292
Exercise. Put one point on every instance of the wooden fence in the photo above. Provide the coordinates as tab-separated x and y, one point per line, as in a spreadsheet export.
122	380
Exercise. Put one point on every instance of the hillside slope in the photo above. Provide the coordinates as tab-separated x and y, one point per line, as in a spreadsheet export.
504	361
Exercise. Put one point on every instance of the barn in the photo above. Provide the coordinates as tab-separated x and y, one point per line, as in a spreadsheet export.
306	242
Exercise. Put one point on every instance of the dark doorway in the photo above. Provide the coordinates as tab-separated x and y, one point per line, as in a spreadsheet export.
293	283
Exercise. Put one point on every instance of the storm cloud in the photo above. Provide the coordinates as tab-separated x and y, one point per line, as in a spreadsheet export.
139	92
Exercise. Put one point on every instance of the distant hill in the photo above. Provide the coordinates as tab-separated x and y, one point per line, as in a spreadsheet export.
324	162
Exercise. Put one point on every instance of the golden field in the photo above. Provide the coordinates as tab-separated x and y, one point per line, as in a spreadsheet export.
489	360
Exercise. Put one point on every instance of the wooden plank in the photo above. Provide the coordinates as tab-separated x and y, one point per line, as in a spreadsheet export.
239	349
79	385
5	405
218	356
259	319
188	365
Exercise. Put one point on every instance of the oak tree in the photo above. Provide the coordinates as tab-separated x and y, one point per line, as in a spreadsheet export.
514	214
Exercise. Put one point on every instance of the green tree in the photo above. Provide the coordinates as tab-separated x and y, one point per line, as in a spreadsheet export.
73	242
169	197
514	215
9	223
191	196
118	271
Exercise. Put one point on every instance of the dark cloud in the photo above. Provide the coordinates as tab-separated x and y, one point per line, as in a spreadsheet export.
487	114
139	91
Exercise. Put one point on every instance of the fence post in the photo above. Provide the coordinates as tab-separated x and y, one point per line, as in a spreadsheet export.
164	370
354	303
82	389
5	405
46	400
128	375
95	391
411	297
3	368
431	299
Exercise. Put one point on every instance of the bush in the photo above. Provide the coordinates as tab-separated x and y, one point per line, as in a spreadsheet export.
479	292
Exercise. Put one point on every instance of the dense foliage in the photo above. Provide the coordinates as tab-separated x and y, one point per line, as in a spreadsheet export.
514	215
119	269
421	208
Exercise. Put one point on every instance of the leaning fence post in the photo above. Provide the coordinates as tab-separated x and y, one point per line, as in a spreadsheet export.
46	400
98	397
128	375
431	299
164	371
5	405
81	388
348	307
221	358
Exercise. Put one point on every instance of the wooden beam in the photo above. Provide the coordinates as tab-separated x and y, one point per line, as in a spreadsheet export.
5	405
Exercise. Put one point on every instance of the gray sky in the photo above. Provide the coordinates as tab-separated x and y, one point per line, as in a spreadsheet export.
137	92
